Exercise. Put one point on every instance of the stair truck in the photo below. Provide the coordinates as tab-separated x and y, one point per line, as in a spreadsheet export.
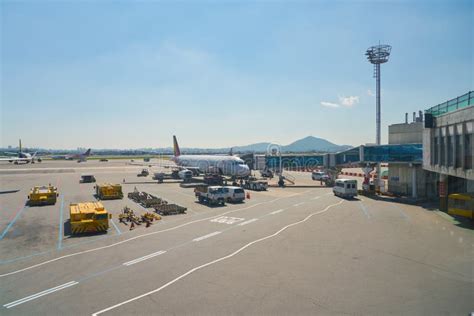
107	191
88	217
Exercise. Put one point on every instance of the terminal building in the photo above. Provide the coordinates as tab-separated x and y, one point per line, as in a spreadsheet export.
448	146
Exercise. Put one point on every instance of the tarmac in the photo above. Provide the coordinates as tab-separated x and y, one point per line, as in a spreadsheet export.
298	251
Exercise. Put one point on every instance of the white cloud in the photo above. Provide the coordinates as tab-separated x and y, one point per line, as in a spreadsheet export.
370	93
349	101
330	104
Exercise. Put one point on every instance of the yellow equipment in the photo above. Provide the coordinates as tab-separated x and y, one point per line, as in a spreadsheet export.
88	217
44	195
108	191
461	204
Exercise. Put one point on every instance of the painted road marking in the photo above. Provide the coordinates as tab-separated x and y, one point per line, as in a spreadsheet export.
227	220
316	197
248	222
277	211
364	209
206	236
116	227
5	231
37	295
214	261
129	263
298	204
141	236
61	224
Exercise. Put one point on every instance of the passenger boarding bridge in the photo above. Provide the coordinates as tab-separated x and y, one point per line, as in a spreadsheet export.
357	156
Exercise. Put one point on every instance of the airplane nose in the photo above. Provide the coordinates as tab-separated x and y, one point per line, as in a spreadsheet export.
244	171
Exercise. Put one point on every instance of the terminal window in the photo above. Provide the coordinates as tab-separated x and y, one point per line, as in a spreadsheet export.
458	152
468	151
435	151
450	151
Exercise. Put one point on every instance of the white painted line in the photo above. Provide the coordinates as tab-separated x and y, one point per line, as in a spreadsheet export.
213	262
277	211
129	263
206	236
142	236
37	295
298	204
316	197
227	220
248	222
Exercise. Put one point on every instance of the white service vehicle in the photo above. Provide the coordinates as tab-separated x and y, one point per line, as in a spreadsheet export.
234	194
319	176
211	195
345	188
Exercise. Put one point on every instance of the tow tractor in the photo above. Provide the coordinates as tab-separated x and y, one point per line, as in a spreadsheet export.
143	173
44	195
88	217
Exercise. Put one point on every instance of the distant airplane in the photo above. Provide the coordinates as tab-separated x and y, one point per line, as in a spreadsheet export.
227	165
81	157
21	157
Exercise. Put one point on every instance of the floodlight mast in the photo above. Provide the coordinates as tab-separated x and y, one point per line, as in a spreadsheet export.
378	55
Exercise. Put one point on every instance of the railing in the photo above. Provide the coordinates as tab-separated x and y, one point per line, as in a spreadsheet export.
455	104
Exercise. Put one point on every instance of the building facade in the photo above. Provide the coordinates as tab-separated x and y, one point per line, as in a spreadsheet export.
448	146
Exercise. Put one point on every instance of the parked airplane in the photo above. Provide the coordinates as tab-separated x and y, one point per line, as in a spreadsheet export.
21	157
226	165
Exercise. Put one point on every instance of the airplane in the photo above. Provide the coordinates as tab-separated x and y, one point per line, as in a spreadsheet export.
227	165
80	157
21	157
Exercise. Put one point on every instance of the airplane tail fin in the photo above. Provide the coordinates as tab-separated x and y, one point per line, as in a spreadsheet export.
88	152
177	152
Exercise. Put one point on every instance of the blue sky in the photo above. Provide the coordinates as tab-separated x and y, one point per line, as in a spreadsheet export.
130	74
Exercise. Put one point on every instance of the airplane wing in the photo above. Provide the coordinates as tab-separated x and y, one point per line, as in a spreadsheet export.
11	159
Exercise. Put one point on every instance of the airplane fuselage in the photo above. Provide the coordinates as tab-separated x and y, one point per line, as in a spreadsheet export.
225	165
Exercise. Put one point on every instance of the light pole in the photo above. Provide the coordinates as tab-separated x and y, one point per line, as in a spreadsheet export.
378	55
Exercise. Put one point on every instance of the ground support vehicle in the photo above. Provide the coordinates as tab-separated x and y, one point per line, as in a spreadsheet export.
255	185
108	191
461	204
346	188
169	209
213	179
87	178
143	173
44	195
88	217
234	194
210	195
145	199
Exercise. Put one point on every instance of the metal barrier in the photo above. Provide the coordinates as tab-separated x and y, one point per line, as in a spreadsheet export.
454	104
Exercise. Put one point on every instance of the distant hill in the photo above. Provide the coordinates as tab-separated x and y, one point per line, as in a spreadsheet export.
312	143
307	144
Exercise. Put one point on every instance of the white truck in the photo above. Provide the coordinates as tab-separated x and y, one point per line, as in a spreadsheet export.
210	195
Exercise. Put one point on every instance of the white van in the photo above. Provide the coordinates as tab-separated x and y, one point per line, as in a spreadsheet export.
345	188
319	176
234	194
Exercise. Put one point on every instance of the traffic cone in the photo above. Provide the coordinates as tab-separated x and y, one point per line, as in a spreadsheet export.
248	196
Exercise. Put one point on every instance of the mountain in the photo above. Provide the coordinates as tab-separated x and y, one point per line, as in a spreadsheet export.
312	143
307	144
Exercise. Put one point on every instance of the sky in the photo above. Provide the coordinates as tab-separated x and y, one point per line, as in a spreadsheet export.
130	74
